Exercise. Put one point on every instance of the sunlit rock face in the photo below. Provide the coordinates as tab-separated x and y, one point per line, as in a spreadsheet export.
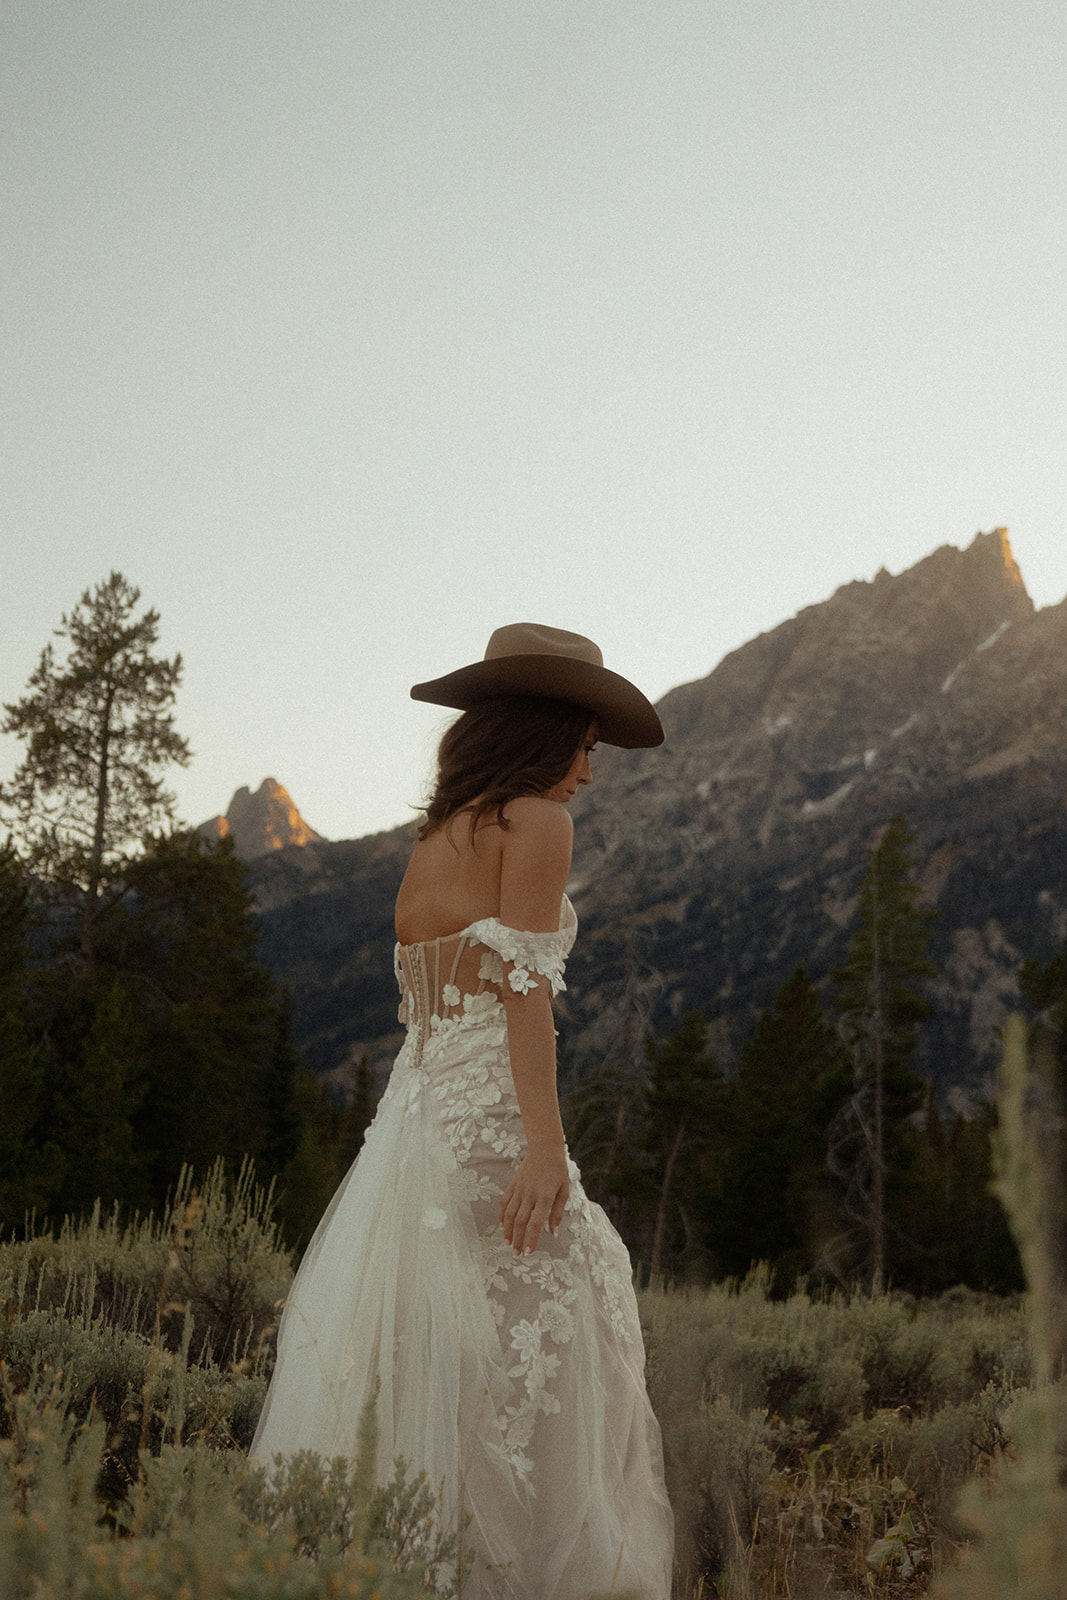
862	695
710	868
704	871
261	822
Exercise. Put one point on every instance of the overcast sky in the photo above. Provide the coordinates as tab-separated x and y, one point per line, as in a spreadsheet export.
350	329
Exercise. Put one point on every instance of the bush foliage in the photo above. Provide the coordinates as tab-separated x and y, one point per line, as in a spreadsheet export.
812	1444
836	1443
133	1365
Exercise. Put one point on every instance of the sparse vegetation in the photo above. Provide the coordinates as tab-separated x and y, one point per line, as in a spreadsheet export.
818	1445
133	1365
814	1445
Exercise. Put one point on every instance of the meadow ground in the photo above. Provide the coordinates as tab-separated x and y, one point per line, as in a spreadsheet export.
838	1446
813	1446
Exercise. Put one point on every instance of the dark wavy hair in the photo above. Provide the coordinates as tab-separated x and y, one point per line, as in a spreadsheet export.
503	748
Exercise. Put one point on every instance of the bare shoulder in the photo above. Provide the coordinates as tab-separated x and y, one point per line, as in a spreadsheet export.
537	821
534	864
538	828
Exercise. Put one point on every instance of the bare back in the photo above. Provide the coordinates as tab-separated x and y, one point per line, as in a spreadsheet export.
451	881
516	873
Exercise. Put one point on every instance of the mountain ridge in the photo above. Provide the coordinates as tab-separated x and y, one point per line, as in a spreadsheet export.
704	871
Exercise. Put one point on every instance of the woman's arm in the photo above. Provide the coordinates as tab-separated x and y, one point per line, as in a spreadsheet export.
535	863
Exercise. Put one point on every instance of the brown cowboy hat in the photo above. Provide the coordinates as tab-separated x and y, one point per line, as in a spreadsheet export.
526	658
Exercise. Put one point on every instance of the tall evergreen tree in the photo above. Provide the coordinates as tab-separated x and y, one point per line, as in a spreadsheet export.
683	1121
143	1033
171	1047
99	731
779	1204
30	1160
214	1025
951	1228
105	1159
606	1120
881	1007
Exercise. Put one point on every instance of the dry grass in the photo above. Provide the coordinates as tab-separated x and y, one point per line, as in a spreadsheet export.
846	1446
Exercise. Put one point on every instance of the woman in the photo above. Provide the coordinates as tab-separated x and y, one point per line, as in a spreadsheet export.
460	1272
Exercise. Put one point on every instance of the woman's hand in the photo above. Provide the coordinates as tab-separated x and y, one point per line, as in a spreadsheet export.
535	1196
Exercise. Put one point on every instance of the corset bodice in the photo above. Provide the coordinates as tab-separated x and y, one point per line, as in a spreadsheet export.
439	977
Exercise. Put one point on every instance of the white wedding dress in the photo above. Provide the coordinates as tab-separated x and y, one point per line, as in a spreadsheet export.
515	1383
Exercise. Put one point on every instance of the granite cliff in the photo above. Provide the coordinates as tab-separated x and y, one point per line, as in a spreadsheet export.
704	871
262	822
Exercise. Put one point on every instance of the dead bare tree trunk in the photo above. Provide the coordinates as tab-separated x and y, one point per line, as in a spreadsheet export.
664	1201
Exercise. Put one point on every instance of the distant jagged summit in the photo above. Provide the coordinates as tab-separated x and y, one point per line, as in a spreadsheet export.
706	870
841	675
261	822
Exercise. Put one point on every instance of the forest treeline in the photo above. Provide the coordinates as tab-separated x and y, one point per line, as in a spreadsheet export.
140	1035
825	1155
138	1032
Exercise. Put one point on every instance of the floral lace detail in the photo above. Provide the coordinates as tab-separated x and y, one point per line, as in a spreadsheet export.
475	1091
606	1257
544	1350
544	953
534	1366
462	1065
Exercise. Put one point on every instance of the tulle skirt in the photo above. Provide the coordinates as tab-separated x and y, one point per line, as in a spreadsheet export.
515	1385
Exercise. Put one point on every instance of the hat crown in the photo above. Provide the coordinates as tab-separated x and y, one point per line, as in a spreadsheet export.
528	659
534	639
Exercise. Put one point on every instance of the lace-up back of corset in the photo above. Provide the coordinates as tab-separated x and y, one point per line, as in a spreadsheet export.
436	975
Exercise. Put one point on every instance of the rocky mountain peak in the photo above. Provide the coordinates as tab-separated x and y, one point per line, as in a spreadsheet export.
842	675
261	822
706	870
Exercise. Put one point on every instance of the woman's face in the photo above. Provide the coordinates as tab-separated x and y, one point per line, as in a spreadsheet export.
577	773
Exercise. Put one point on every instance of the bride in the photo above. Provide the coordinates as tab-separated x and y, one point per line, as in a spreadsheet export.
460	1273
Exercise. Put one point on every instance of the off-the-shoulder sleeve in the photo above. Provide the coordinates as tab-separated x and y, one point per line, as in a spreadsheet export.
543	953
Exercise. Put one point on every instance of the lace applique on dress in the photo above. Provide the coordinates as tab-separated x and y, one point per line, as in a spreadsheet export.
532	1415
543	953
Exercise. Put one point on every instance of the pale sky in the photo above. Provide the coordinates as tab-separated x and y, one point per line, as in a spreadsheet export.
351	329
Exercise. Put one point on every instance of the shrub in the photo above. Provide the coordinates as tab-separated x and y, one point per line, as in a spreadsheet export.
202	1521
214	1256
810	1441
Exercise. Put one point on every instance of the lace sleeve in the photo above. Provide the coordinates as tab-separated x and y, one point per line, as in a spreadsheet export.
543	953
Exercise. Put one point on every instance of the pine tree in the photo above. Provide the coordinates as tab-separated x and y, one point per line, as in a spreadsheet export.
278	1097
213	1023
172	1047
314	1171
98	730
792	1079
881	1009
106	1160
30	1161
951	1228
605	1116
683	1114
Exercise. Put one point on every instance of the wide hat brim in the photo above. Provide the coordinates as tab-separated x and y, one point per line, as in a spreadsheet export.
624	716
